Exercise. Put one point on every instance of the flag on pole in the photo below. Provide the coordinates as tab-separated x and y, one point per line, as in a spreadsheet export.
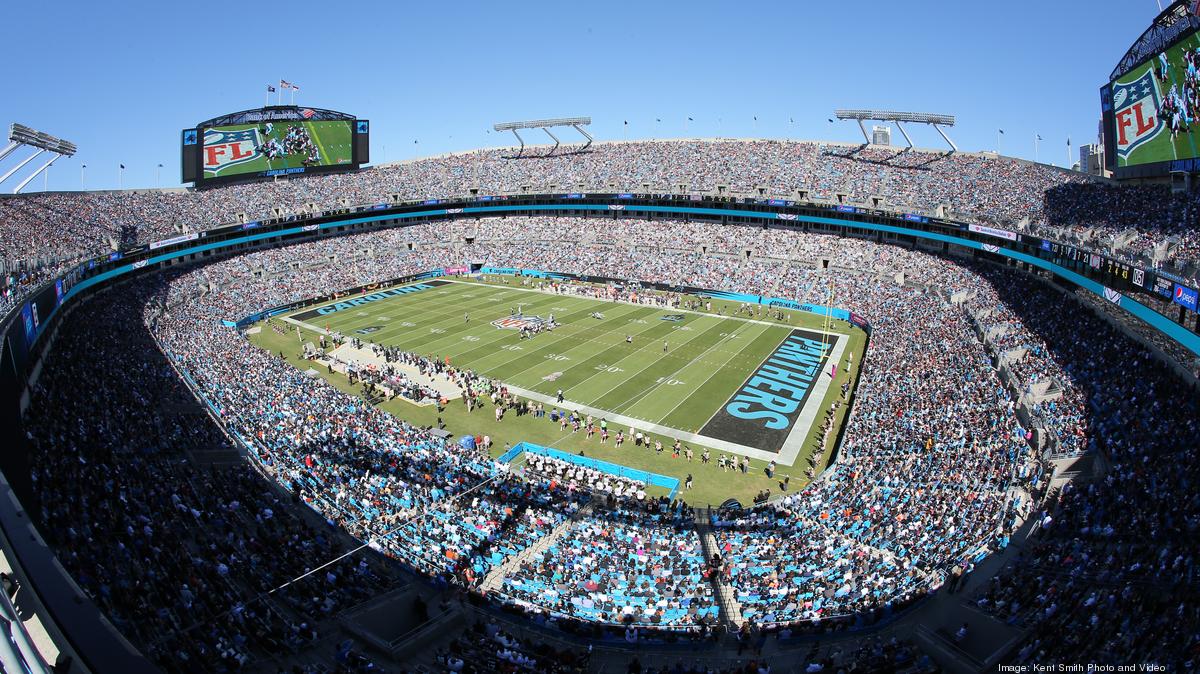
690	119
1068	141
121	165
1001	131
830	121
284	84
270	89
295	87
658	119
1039	136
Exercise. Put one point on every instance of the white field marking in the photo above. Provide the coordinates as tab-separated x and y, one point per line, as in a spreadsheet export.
674	310
564	333
643	394
501	334
715	444
652	363
636	352
713	373
581	344
417	303
450	323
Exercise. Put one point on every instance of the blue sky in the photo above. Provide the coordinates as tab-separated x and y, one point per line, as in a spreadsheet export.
121	79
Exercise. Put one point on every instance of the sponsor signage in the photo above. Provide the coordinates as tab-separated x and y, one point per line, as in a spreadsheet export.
1185	296
993	231
173	240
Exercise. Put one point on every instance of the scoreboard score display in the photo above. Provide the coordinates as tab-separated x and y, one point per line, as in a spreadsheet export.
271	142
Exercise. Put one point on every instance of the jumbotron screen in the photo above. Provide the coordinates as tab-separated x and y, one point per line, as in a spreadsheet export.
269	147
1152	113
274	141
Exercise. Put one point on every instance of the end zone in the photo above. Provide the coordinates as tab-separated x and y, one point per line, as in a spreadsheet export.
779	402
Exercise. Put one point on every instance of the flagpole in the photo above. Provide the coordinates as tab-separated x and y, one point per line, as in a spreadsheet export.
1035	148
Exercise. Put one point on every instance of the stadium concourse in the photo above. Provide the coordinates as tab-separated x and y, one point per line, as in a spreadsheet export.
937	468
1144	223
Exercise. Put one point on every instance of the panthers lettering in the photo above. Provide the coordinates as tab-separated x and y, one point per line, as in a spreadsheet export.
774	393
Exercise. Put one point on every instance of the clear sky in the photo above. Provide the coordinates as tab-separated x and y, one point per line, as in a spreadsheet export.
121	79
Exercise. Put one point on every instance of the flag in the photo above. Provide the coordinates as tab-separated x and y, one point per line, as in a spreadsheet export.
1068	141
307	113
1001	131
121	165
1039	136
627	122
295	87
284	84
791	121
690	119
756	118
657	119
831	121
270	89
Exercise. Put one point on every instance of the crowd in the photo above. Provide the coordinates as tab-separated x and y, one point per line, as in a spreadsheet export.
68	226
929	463
176	555
1112	567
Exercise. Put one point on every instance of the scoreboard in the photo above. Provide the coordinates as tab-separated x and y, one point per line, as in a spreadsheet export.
271	142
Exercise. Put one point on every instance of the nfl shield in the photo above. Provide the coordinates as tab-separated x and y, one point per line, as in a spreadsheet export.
1136	107
223	148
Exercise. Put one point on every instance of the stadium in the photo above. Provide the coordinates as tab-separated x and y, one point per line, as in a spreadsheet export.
699	404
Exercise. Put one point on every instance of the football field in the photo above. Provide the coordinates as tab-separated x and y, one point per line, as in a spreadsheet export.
752	386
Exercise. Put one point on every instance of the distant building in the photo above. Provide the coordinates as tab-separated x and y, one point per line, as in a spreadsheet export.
1091	159
881	135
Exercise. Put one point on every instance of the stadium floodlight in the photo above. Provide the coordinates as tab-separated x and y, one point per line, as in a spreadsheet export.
545	125
23	135
19	136
935	120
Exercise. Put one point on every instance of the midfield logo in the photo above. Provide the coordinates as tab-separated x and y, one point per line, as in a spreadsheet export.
1136	106
223	149
518	322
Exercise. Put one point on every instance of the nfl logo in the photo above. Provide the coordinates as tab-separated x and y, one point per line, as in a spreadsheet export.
518	322
223	149
1136	107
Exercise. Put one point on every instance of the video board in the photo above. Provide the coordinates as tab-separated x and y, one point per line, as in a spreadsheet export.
271	142
1151	114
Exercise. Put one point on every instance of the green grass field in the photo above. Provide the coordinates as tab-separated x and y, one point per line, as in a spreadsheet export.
333	140
708	357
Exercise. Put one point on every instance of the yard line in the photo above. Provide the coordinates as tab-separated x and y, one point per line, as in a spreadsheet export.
604	335
713	374
561	335
643	394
